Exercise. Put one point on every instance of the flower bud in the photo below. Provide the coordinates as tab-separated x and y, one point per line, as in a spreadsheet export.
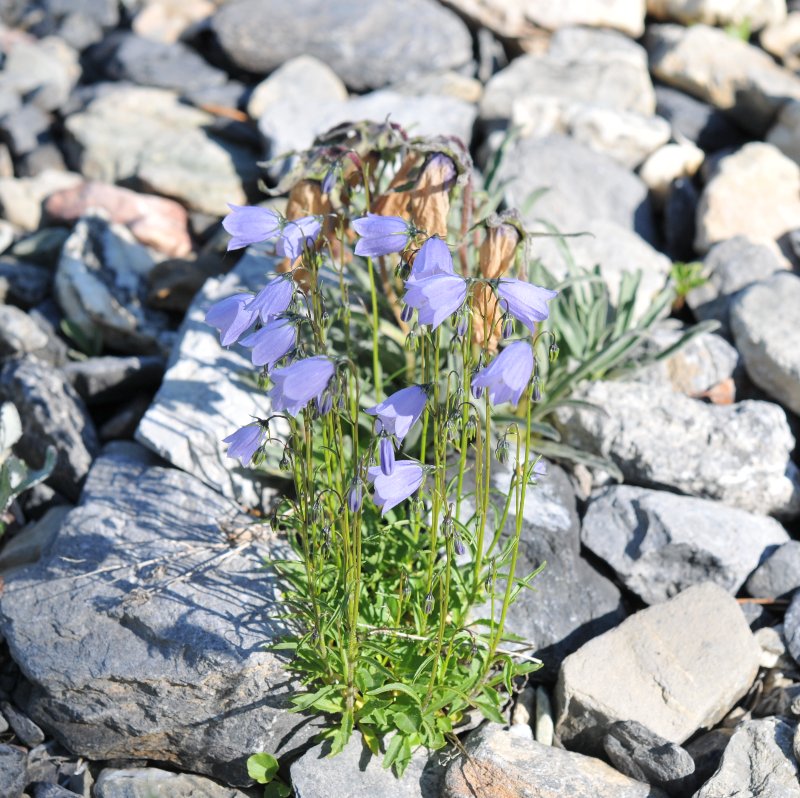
458	545
387	455
355	496
508	327
554	352
501	452
429	604
407	313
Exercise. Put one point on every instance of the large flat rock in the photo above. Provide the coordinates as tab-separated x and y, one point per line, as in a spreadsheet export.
142	628
737	454
667	667
208	392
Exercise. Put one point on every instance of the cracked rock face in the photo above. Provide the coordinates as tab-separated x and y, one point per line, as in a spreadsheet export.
142	629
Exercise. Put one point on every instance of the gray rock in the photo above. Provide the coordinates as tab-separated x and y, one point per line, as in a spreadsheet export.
581	66
666	667
779	575
156	586
571	602
580	187
639	753
28	284
355	772
616	249
21	198
52	414
207	394
363	42
705	361
145	62
101	285
145	136
758	761
764	324
99	380
44	71
19	334
13	771
622	15
731	266
659	543
791	627
697	121
24	128
755	192
706	750
498	763
737	454
722	70
755	13
25	729
780	39
156	783
44	790
28	544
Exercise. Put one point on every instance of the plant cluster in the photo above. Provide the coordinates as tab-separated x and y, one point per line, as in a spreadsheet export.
388	345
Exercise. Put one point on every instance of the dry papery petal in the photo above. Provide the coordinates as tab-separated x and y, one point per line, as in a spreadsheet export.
497	252
430	198
395	203
484	306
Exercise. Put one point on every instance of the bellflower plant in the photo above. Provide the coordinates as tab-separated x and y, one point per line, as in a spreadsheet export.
358	356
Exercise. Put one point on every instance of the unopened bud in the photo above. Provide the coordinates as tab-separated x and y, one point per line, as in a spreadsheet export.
355	497
553	352
508	327
406	313
429	604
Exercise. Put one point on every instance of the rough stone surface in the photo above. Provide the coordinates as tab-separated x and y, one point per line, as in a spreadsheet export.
294	85
24	728
156	587
779	575
167	20
755	192
101	285
783	134
99	380
661	439
145	62
28	283
24	128
720	69
21	197
355	772
702	363
13	771
570	602
639	753
756	13
668	164
150	782
764	323
155	221
19	333
582	186
791	628
608	244
782	39
660	543
758	760
731	266
368	45
207	394
581	66
624	15
504	765
626	136
144	135
666	667
52	414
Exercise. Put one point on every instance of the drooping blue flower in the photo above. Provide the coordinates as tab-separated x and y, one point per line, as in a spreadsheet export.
507	376
433	258
387	455
524	301
298	234
396	487
436	297
399	412
297	384
272	342
539	470
381	235
273	298
245	442
249	224
232	316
